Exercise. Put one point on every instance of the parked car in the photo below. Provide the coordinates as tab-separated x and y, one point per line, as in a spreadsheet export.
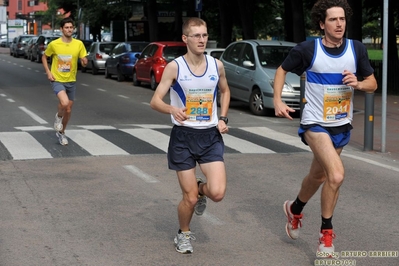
250	66
152	61
18	47
28	47
215	52
40	46
97	54
122	59
87	44
5	42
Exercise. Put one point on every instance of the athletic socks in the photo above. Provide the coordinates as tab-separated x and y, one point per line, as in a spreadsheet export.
297	206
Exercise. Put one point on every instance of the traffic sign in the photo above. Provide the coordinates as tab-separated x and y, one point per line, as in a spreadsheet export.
198	5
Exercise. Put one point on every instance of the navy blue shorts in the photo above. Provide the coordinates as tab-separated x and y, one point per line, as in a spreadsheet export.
68	87
187	146
339	140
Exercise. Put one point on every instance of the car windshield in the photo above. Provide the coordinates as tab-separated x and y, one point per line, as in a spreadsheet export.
135	47
172	52
272	56
25	39
107	47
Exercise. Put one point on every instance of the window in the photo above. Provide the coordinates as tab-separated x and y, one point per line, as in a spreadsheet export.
233	52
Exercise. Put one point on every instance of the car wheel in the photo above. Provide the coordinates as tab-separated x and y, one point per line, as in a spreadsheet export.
107	75
135	81
83	69
153	83
31	57
256	103
38	59
119	76
94	70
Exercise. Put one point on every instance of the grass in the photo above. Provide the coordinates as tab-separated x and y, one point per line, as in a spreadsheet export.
375	54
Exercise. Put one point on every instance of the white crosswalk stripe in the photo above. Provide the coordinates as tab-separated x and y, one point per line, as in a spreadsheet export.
99	140
243	146
155	138
23	146
94	144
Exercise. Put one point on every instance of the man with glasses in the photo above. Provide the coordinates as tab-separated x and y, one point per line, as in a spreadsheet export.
194	80
64	53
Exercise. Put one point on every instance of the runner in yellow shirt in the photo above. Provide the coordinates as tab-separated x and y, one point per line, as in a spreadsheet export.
64	53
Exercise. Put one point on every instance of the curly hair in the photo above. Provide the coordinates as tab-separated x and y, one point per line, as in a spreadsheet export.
319	9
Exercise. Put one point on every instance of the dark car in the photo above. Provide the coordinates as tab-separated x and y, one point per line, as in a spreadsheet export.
152	61
87	44
18	47
122	59
28	47
40	46
97	54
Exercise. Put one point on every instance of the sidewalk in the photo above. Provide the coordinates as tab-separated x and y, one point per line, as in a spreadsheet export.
391	130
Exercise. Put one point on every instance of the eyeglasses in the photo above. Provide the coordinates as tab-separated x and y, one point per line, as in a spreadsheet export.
198	36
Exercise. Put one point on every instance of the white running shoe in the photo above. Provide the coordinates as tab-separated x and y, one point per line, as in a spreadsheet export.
62	138
201	203
326	247
58	123
294	222
183	243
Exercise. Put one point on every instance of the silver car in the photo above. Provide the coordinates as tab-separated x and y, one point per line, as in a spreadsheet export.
97	54
250	67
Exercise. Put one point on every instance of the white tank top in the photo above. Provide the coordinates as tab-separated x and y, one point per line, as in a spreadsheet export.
329	102
197	93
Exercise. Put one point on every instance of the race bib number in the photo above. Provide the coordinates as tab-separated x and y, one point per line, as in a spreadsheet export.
199	104
337	102
64	63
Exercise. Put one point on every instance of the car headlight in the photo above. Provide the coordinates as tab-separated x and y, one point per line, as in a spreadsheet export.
286	88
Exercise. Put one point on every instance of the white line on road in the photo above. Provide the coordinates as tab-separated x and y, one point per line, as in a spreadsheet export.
370	162
33	115
22	146
123	96
11	100
3	95
94	144
101	89
84	84
139	173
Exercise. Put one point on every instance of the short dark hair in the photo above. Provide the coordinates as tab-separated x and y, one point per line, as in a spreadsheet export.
194	21
65	21
320	7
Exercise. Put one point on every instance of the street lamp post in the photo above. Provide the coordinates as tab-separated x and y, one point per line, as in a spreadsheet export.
278	21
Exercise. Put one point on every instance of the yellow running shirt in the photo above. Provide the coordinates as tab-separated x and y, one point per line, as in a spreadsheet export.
65	58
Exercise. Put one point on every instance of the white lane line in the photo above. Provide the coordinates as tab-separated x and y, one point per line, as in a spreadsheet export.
93	143
152	126
101	89
10	100
275	135
33	115
244	146
370	161
34	128
155	138
96	127
123	96
22	146
3	95
84	84
139	173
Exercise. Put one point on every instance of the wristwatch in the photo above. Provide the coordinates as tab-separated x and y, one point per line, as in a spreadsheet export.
224	119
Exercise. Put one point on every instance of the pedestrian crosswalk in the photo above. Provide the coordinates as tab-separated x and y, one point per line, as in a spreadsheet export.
27	143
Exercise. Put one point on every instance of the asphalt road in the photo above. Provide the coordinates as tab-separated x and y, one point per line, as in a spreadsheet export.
121	209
